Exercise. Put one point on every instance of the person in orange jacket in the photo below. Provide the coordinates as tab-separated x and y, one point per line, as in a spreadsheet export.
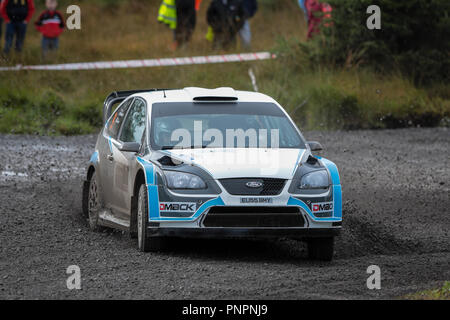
17	14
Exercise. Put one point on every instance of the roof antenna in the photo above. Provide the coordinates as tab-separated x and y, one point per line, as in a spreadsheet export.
164	90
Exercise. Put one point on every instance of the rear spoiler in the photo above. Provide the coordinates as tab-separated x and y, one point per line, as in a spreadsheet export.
117	97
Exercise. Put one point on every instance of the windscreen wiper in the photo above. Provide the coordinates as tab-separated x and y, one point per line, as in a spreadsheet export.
174	147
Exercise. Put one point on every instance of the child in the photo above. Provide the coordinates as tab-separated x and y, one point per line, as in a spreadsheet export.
51	25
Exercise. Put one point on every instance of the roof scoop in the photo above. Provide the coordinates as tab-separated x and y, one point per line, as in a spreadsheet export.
224	94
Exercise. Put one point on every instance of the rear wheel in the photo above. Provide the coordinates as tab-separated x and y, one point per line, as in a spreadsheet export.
145	243
321	248
93	204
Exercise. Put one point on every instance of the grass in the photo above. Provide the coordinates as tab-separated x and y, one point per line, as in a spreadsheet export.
442	293
317	97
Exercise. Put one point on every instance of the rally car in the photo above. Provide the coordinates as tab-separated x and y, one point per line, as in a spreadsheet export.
210	163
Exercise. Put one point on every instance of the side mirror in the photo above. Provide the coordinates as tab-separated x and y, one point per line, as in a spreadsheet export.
315	146
130	147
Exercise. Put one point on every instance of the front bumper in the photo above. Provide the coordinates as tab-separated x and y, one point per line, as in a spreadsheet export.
262	233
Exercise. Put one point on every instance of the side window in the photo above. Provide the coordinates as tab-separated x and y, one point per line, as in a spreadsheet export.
117	119
134	125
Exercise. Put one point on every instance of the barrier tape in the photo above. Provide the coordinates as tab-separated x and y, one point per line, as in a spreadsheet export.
148	63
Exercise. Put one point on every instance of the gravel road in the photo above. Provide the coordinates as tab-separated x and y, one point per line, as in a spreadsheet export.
396	215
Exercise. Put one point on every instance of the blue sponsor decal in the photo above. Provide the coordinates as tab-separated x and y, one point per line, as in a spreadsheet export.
300	152
94	157
332	168
152	189
337	190
153	202
148	170
337	197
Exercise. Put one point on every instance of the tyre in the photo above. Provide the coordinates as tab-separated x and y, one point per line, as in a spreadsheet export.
133	218
321	248
93	204
145	243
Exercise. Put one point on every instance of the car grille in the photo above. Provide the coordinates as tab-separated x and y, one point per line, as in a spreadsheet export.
254	217
237	186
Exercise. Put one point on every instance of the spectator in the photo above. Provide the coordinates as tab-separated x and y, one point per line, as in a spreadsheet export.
250	8
197	4
180	16
186	20
225	18
1	26
316	13
1	23
17	14
302	5
50	24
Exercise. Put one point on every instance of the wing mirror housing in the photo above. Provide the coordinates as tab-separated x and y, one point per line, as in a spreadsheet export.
130	147
315	146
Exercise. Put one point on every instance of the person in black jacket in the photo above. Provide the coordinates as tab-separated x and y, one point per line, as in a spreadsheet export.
186	19
17	14
226	18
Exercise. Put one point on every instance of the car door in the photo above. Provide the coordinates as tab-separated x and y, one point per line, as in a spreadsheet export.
132	130
109	151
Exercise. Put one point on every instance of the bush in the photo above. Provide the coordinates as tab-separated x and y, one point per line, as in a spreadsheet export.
331	108
89	113
68	126
413	37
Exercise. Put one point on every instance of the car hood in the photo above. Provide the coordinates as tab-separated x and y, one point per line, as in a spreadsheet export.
241	162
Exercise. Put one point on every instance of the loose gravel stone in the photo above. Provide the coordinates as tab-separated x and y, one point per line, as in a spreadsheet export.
396	200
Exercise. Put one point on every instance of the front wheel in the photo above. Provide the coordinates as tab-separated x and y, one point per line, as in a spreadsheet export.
321	248
145	243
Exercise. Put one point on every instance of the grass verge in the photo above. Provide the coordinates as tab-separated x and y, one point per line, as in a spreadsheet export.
442	293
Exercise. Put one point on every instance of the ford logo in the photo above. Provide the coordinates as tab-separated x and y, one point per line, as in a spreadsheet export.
254	184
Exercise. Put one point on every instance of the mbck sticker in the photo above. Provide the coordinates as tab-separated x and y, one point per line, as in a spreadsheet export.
177	206
322	207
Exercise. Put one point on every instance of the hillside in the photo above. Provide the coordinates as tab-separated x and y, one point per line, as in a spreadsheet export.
69	102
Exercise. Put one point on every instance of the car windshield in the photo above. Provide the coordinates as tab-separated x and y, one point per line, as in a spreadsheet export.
221	125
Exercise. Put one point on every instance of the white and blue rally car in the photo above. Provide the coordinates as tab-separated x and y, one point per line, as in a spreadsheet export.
209	163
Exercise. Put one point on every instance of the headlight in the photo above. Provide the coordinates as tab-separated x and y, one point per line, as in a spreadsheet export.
183	180
315	180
